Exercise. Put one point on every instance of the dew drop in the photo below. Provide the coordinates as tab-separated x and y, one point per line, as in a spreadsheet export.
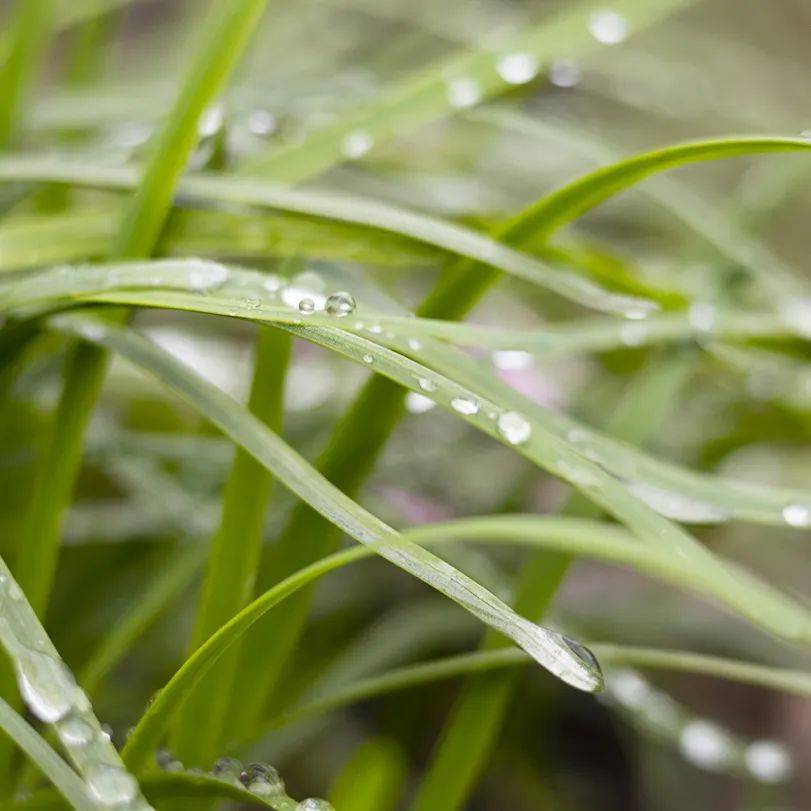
418	403
806	135
564	73
463	92
211	122
797	515
633	334
517	68
629	688
356	144
46	685
702	316
376	329
205	276
768	761
512	359
14	591
704	744
111	785
314	804
75	731
272	283
262	779
341	304
262	123
368	359
608	27
306	305
514	427
582	653
229	769
166	761
414	344
678	506
465	405
426	385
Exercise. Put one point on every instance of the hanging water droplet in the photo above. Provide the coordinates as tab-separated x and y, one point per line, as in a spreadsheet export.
314	804
465	405
463	92
75	731
608	27
564	73
262	123
211	122
306	306
341	304
426	385
356	144
797	515
111	785
46	685
418	403
517	68
583	653
514	427
705	744
701	316
768	761
678	506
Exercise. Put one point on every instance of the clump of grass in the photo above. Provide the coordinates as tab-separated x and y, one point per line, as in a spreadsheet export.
213	610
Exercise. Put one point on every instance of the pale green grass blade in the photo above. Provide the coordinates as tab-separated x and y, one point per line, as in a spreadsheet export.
434	93
372	778
52	695
45	759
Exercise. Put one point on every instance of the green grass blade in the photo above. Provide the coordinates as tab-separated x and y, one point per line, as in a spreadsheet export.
233	560
19	58
45	759
372	778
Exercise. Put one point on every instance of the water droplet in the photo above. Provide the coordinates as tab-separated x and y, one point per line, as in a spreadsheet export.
463	92
368	359
341	304
678	506
702	316
211	122
92	330
272	283
514	427
583	653
46	685
806	135
512	359
633	334
305	285
262	123
797	515
166	761
229	769
205	276
14	591
356	144
768	761
262	779
414	344
75	731
418	403
465	405
608	27
517	68
629	688
426	385
797	315
564	73
111	785
306	305
376	329
314	804
704	744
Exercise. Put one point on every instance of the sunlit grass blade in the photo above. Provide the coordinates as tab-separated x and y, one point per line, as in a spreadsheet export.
69	785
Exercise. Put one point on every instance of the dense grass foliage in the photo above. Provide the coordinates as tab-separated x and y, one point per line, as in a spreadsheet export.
404	405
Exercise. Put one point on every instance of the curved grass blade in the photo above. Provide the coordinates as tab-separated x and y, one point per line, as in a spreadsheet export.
45	759
52	695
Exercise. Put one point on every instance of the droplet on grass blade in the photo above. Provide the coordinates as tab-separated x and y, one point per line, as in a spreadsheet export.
418	403
705	744
702	316
564	73
514	427
314	804
465	405
262	123
608	27
463	92
229	769
306	305
797	515
341	304
111	785
768	761
75	731
46	685
517	68
356	144
678	506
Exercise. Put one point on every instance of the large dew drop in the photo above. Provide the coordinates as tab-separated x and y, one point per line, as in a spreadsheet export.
465	405
46	685
262	779
111	785
341	304
514	427
75	731
517	68
314	804
678	506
